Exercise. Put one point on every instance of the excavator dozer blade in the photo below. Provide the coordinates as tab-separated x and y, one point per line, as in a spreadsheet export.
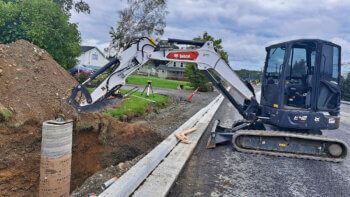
211	141
218	135
292	145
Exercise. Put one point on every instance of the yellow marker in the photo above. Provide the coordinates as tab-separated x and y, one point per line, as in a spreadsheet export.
152	42
287	82
275	105
282	145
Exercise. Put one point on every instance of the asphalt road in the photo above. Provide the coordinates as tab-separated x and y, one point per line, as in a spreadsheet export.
225	172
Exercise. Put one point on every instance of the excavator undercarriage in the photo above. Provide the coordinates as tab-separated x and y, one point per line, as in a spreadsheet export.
246	138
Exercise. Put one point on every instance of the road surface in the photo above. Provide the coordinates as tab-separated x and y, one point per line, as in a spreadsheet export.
225	172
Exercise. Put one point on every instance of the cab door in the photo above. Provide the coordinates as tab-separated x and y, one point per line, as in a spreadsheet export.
329	79
271	83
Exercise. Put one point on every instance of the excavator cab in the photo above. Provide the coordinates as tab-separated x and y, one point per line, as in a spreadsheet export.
300	94
301	80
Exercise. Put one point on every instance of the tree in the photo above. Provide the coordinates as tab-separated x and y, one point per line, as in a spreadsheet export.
249	74
195	76
140	18
45	25
67	5
345	88
217	44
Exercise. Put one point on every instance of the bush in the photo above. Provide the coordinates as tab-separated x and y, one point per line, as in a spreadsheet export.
345	88
81	77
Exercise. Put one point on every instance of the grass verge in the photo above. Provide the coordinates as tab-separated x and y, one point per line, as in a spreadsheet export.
157	82
138	105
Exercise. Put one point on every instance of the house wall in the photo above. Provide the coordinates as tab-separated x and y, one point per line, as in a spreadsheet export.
163	73
87	58
145	70
176	64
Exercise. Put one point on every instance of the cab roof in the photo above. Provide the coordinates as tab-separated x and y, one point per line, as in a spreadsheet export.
291	42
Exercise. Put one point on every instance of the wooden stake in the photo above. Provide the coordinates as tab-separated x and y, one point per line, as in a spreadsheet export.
182	135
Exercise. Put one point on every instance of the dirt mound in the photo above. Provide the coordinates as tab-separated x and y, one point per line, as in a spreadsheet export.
32	83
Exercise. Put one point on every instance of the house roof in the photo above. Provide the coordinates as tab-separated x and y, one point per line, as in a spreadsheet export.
86	48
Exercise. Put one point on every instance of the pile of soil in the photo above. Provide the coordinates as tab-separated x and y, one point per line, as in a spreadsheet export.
33	85
32	90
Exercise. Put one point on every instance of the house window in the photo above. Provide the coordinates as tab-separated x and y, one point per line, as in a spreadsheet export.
94	56
182	65
174	64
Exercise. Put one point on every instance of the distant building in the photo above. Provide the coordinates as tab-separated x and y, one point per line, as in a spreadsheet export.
92	57
146	70
171	69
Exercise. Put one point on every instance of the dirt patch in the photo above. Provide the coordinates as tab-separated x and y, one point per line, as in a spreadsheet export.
33	88
93	183
107	142
20	159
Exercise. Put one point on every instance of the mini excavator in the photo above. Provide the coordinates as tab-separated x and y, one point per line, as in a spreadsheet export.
300	94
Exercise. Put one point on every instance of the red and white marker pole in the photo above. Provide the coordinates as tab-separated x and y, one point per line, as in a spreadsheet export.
192	94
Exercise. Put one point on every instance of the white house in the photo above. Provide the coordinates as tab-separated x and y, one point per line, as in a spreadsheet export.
171	69
91	56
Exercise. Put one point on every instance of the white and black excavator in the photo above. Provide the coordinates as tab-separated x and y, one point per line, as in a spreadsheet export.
300	94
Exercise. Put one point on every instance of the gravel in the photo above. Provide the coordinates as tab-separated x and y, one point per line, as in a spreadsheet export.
225	172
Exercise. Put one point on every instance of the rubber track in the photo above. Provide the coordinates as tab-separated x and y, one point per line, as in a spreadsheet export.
290	155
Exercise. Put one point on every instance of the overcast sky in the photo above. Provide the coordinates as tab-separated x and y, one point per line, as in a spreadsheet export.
245	26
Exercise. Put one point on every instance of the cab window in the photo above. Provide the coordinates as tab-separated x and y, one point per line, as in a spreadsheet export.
330	66
335	65
297	67
275	62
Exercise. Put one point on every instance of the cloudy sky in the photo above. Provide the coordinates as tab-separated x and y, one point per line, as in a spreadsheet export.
245	26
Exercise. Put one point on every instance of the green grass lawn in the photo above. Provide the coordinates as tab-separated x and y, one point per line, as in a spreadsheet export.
137	106
157	82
